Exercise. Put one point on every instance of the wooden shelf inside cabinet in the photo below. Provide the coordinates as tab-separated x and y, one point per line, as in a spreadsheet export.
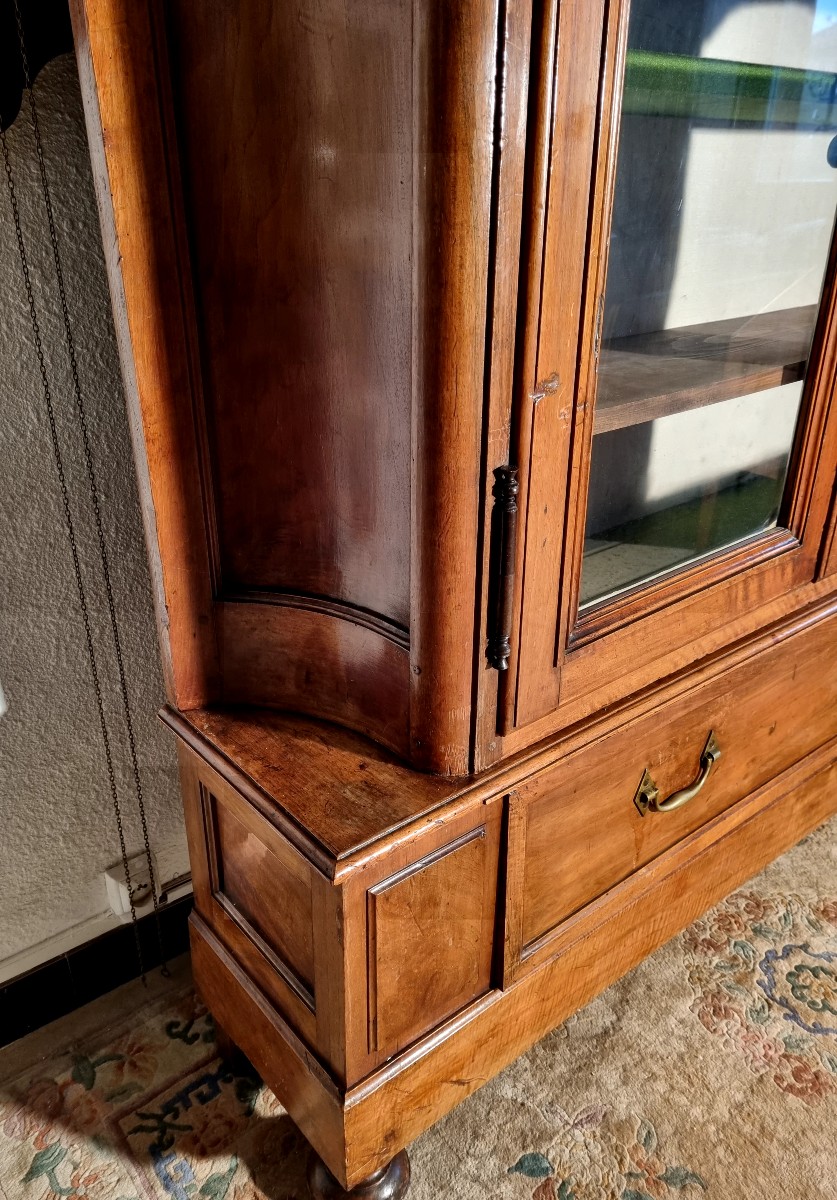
652	375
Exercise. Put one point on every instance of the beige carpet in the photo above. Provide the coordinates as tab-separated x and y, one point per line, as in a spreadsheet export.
710	1071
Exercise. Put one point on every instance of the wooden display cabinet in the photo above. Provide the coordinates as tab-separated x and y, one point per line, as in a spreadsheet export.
480	362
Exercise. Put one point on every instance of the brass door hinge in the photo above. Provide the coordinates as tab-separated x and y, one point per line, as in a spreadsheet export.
504	550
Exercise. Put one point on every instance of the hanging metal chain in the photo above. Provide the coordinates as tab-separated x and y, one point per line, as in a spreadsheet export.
68	519
91	479
94	495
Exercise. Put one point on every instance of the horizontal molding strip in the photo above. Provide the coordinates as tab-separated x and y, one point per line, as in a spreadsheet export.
326	605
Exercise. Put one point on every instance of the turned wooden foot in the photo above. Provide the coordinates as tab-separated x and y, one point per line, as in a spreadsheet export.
390	1183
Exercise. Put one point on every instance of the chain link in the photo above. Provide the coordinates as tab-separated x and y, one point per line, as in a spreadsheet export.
95	503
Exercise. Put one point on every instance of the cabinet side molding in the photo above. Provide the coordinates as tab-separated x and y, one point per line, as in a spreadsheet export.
456	90
115	51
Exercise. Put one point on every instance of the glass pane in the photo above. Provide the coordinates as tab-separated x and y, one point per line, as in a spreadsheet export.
723	214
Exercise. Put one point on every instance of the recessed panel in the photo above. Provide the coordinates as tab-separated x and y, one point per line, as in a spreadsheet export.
430	938
295	137
269	894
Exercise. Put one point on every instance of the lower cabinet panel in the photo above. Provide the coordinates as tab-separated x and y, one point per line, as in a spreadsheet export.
576	829
268	893
360	969
430	938
253	889
357	1130
376	994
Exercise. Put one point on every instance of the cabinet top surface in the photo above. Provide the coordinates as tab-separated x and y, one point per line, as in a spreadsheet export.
343	790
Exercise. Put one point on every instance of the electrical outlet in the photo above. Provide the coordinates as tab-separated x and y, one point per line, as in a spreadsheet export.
117	888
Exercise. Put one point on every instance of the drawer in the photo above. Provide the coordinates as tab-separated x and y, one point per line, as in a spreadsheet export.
576	826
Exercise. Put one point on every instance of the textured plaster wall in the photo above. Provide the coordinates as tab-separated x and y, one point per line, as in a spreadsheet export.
57	833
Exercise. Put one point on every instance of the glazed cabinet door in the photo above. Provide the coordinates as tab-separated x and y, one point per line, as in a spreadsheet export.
675	449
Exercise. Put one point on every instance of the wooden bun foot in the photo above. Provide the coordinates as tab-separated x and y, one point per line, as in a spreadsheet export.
390	1183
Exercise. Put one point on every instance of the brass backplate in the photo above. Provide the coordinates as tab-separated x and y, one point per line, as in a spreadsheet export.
646	794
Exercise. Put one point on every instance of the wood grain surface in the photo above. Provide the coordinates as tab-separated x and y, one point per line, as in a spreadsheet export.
458	86
439	910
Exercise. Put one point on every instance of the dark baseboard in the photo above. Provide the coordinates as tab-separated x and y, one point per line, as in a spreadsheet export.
66	983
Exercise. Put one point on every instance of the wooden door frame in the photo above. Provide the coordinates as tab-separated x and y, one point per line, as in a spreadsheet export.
561	671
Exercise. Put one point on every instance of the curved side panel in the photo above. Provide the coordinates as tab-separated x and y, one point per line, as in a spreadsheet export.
320	474
319	663
297	203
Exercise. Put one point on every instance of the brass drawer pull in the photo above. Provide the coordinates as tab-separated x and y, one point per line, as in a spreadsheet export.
647	796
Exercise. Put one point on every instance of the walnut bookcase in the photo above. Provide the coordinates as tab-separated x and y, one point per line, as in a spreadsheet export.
359	257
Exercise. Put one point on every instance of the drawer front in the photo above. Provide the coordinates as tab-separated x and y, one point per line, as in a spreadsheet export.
579	829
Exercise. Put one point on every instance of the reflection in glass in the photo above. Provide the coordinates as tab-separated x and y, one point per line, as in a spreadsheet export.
723	214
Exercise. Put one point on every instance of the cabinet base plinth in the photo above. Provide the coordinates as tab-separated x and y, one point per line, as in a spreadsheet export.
390	1183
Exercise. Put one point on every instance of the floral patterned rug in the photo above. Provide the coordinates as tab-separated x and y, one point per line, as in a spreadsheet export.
709	1071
